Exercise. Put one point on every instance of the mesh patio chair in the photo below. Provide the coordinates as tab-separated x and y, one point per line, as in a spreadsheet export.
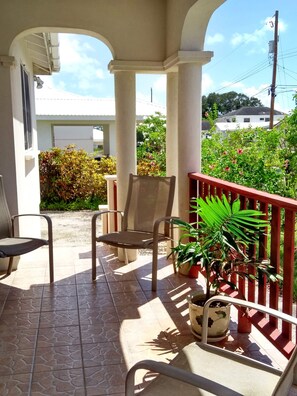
203	369
145	221
11	245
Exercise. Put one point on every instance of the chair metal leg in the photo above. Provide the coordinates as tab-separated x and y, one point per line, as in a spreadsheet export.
126	256
155	267
51	262
172	246
94	218
50	250
10	263
94	274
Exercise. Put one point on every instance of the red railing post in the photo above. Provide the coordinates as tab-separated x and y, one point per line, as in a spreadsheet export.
274	207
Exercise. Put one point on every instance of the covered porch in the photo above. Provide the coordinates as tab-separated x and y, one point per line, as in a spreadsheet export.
80	337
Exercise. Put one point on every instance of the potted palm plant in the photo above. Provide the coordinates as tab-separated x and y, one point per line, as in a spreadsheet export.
218	243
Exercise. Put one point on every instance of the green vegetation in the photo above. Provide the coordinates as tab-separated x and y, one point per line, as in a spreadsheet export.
71	179
263	159
258	158
227	102
151	146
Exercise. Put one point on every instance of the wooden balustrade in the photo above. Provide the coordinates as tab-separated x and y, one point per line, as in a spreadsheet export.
278	245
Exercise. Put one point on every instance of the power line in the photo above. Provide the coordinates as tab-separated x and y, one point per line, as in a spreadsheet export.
251	72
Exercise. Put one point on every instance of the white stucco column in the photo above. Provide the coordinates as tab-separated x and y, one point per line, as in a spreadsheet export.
125	102
171	131
7	149
189	128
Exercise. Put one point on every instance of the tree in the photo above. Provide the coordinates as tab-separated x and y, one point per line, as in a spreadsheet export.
227	102
151	145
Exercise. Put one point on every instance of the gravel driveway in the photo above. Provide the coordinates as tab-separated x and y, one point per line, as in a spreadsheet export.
71	228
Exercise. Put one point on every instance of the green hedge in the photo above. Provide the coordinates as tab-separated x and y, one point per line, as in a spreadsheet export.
71	179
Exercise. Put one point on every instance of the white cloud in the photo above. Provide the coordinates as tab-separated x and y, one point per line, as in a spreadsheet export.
207	83
160	84
260	92
78	64
142	96
258	36
239	38
269	24
100	74
216	38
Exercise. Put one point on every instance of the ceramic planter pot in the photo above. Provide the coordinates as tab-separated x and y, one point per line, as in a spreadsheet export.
218	322
192	271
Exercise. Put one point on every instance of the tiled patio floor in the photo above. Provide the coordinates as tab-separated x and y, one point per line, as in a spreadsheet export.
78	337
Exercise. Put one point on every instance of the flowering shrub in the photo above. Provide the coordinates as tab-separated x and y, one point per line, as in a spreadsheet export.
151	145
250	157
70	175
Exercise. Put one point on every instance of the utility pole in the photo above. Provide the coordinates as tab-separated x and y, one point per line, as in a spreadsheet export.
272	88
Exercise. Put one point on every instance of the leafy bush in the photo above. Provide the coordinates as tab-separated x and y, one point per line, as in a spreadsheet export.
72	178
151	145
250	157
148	166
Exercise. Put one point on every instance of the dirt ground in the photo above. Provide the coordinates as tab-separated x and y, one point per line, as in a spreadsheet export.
71	228
74	229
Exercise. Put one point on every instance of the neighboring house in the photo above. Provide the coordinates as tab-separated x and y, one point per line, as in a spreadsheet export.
66	118
251	114
248	117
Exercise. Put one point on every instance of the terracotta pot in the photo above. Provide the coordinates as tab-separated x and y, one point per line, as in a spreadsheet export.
190	271
219	318
194	271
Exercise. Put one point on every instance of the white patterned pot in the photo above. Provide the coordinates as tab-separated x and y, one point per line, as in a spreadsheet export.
218	321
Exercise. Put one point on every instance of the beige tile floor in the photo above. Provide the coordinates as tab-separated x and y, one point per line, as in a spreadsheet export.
78	337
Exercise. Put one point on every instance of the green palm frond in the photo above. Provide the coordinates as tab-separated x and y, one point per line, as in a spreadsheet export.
219	238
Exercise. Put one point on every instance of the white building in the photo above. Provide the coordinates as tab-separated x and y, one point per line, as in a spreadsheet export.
248	117
66	118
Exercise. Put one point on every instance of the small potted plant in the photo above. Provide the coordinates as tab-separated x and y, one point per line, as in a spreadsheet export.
218	243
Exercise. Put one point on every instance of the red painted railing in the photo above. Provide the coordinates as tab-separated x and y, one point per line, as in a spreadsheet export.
279	243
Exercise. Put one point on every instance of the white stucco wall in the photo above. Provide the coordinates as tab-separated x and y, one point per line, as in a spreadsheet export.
45	136
258	118
26	161
46	130
80	136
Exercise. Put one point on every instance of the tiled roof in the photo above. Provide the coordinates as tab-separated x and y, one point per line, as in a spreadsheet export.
50	103
249	111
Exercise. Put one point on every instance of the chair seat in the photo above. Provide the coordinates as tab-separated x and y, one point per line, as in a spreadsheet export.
130	239
17	246
228	373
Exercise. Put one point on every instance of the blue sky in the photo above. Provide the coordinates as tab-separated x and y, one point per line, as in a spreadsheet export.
238	34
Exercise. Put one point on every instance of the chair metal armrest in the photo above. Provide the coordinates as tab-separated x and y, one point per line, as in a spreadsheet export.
46	217
242	303
175	373
101	212
166	219
49	238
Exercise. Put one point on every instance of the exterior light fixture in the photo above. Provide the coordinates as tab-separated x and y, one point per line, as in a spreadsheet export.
39	82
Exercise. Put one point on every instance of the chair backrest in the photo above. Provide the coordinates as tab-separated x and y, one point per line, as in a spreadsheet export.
288	377
148	198
5	218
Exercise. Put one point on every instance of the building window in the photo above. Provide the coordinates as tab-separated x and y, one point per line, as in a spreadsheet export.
261	118
267	119
246	120
26	109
